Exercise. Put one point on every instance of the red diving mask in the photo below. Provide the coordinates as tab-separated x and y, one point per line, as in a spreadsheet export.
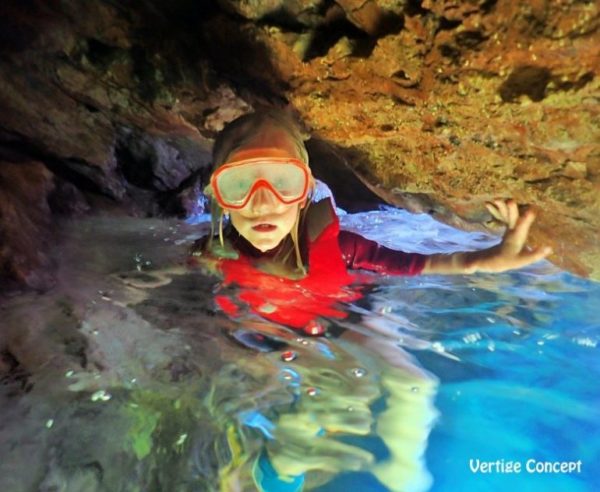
234	183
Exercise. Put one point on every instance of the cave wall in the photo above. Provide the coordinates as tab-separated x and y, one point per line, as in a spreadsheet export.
434	106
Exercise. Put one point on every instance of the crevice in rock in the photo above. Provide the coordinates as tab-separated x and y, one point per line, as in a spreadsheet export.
80	173
243	60
13	374
447	24
487	6
574	85
145	73
85	176
101	54
389	23
283	19
469	39
76	347
326	36
158	163
137	170
526	80
415	7
328	163
96	468
450	51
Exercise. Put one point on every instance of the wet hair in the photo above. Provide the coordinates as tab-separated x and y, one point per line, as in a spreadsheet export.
239	134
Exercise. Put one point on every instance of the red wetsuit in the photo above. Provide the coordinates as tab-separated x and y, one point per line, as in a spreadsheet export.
299	303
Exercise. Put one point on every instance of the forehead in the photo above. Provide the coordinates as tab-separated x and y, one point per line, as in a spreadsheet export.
269	136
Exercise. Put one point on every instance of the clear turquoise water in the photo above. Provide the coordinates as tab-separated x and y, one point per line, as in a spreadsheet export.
524	383
482	367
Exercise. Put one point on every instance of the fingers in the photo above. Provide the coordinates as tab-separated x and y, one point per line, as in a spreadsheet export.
511	252
512	211
522	226
493	210
505	211
498	210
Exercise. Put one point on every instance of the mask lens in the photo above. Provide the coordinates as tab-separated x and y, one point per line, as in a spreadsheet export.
235	183
288	180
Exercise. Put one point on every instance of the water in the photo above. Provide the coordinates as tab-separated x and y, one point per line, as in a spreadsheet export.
126	379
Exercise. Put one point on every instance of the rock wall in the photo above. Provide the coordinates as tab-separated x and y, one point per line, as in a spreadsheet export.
434	106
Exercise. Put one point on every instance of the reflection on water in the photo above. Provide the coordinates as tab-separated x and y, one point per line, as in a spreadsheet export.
127	376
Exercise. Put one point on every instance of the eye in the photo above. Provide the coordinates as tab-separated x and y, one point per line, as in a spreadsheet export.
283	186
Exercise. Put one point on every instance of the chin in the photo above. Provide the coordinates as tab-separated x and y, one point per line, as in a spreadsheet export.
265	244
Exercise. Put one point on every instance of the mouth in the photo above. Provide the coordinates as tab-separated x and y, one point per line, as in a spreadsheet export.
264	227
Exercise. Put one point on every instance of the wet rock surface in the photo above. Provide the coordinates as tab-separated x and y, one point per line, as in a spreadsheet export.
434	106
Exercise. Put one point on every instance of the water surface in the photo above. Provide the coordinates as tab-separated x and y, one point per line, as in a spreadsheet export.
123	378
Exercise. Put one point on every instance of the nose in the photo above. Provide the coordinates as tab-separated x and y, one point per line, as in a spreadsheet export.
263	201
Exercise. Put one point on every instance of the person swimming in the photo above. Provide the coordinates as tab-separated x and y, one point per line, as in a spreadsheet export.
279	246
288	262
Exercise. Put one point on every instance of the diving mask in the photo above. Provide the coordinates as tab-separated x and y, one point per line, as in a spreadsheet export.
234	183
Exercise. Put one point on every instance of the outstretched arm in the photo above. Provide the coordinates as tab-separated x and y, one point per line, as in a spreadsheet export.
509	254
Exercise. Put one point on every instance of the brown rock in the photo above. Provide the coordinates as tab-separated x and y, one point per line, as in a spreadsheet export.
25	224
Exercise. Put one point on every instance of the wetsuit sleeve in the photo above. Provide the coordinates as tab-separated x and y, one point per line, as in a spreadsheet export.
362	253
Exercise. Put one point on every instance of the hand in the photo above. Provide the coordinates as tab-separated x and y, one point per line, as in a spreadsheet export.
511	252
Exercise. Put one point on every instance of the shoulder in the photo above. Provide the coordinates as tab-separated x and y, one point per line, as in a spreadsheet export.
319	217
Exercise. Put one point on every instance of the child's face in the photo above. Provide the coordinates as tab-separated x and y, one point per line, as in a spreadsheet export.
264	221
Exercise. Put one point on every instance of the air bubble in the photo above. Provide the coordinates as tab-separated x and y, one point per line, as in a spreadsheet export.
101	395
290	377
289	356
267	308
104	295
314	329
312	391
